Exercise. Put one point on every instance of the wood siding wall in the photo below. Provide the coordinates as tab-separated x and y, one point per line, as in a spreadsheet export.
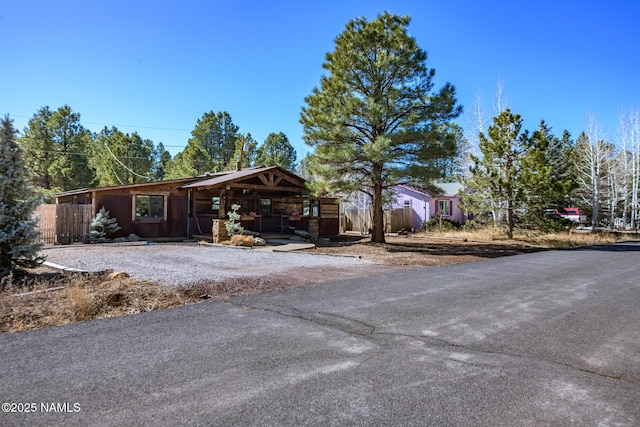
63	224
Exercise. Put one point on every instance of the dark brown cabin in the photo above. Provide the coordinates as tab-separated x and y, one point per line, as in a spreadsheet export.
271	200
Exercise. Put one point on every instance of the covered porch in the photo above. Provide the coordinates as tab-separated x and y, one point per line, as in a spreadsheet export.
271	200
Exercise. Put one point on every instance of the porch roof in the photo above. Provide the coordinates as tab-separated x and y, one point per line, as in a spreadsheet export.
269	178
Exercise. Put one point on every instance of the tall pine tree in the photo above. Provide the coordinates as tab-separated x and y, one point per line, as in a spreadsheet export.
545	177
277	151
210	148
120	158
18	246
376	121
496	181
56	148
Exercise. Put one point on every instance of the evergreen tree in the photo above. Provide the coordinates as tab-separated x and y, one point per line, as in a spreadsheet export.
245	148
210	148
446	161
545	179
192	161
375	119
57	150
277	151
18	247
303	166
103	226
38	149
120	158
496	179
161	162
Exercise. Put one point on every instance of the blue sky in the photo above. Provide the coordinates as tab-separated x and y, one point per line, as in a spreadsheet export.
155	67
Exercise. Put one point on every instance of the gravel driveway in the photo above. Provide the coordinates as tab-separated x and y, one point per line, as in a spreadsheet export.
186	263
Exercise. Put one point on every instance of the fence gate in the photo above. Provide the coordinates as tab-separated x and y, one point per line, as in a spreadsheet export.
63	224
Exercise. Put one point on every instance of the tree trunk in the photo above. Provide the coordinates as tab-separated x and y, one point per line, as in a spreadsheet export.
510	220
377	236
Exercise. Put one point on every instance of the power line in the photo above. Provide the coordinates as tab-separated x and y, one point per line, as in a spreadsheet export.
139	126
82	154
123	165
118	125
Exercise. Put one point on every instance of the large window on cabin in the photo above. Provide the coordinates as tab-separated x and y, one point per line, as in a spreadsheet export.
150	207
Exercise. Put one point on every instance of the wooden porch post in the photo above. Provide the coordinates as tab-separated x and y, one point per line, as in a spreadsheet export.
223	205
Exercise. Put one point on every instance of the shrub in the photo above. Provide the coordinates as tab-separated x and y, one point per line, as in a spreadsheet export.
474	224
233	224
103	227
440	225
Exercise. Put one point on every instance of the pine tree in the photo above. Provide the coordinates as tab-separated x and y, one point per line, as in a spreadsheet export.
246	148
18	246
496	181
277	151
120	158
56	150
210	148
376	121
545	177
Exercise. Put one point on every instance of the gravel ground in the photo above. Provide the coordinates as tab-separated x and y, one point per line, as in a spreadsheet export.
187	263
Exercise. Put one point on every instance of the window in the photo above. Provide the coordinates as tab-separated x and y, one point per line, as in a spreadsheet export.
215	203
311	208
149	207
247	206
444	207
407	203
265	205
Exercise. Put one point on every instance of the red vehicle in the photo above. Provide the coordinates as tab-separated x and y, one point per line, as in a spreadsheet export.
572	214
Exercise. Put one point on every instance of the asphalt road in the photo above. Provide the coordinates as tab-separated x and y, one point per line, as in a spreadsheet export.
550	338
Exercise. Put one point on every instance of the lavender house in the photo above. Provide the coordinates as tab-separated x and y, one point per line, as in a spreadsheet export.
410	208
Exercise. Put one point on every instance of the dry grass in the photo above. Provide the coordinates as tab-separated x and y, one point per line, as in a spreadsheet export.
571	239
43	299
48	299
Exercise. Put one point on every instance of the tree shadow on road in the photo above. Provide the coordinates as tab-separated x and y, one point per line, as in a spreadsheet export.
630	246
484	250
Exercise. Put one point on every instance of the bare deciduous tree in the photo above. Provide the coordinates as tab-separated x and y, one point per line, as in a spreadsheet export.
592	155
629	134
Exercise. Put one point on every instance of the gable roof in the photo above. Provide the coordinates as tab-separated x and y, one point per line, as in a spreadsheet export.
202	181
405	189
449	189
244	174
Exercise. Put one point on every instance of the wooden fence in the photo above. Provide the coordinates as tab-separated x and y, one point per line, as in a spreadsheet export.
63	224
399	219
353	219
